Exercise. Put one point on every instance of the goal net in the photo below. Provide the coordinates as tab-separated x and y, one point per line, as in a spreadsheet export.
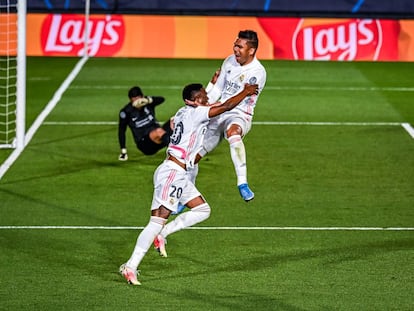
12	73
13	132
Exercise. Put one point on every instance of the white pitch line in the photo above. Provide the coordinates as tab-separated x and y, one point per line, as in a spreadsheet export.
328	123
344	88
268	87
408	128
254	122
80	123
217	228
43	115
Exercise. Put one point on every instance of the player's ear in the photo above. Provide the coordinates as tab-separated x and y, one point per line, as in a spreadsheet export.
190	103
252	51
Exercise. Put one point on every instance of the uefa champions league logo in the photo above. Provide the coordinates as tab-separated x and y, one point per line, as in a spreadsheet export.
252	80
50	4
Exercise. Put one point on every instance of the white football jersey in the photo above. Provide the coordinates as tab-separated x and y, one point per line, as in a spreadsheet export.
190	124
232	79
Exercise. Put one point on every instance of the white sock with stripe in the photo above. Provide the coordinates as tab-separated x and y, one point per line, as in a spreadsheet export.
145	240
187	219
238	156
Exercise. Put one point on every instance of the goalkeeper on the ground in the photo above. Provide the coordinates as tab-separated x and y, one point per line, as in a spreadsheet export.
139	116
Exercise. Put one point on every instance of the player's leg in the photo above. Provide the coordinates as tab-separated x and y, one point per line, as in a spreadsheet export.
187	219
160	210
160	136
180	209
234	135
143	243
212	138
213	135
192	175
168	127
199	210
149	147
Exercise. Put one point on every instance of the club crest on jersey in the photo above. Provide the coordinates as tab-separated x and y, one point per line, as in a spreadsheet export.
252	80
241	78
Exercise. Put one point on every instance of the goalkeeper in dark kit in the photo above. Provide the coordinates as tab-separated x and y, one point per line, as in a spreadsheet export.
139	116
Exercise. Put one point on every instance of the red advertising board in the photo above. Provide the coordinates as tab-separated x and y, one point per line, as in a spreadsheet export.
212	37
333	39
64	34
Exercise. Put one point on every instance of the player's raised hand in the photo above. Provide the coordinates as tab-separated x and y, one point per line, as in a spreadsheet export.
142	101
215	76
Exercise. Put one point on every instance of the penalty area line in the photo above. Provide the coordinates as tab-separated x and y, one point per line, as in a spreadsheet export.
215	228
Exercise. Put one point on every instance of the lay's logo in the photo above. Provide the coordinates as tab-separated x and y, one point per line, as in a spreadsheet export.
64	35
334	39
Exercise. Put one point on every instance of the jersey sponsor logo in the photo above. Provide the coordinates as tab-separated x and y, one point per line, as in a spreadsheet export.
231	87
141	123
64	35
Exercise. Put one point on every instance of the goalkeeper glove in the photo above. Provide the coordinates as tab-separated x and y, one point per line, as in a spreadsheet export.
124	155
141	102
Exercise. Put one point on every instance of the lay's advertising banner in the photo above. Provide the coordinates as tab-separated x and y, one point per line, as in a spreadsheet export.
147	36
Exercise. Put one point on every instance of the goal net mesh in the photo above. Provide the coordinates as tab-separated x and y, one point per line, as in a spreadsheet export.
8	72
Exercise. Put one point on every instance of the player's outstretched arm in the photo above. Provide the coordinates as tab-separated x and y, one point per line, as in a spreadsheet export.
249	89
122	127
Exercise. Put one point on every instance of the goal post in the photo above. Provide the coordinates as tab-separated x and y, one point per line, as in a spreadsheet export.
21	75
12	73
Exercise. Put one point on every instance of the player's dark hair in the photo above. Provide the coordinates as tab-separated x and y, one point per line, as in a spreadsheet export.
190	90
251	37
135	91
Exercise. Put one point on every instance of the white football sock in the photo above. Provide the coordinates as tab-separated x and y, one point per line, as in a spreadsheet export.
144	241
238	156
187	219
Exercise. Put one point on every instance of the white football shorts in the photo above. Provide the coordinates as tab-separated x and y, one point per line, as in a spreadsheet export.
218	126
172	186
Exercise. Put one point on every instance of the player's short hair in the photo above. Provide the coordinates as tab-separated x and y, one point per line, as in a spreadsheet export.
134	92
190	90
251	37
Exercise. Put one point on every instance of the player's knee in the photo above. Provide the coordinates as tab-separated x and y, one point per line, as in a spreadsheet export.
156	135
234	130
203	210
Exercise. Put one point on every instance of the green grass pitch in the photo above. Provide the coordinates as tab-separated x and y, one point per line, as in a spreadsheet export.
327	153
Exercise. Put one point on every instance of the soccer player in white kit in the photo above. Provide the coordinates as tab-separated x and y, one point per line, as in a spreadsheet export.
172	184
237	69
